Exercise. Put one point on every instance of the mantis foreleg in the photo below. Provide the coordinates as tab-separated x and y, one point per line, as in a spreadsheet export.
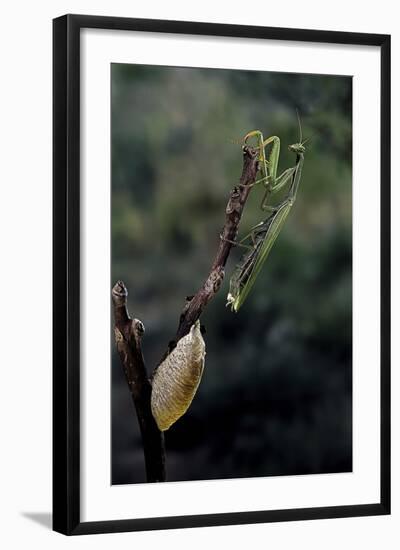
269	168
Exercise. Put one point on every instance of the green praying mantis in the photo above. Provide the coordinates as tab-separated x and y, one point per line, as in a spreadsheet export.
264	234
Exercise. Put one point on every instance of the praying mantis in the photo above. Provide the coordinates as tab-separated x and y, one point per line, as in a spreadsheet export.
264	234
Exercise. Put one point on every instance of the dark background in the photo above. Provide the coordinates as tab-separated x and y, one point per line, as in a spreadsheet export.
275	398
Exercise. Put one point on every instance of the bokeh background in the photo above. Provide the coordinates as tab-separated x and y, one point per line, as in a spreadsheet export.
276	394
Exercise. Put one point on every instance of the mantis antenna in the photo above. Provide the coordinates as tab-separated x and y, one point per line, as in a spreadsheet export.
300	132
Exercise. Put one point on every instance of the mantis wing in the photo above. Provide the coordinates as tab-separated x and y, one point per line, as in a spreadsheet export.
251	263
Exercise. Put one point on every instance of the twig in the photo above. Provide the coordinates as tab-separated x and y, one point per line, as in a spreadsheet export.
233	214
128	335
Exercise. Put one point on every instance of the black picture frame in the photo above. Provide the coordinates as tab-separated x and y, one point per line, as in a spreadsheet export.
66	273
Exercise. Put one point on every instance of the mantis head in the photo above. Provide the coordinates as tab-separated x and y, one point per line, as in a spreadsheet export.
297	147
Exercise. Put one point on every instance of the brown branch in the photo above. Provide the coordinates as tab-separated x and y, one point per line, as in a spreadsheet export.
128	332
233	213
128	335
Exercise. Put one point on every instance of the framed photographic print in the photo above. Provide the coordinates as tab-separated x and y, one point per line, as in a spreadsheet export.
221	274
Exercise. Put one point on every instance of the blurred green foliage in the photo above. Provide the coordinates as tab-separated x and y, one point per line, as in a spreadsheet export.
275	398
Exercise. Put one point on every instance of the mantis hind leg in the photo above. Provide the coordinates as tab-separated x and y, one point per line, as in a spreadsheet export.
250	235
239	243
